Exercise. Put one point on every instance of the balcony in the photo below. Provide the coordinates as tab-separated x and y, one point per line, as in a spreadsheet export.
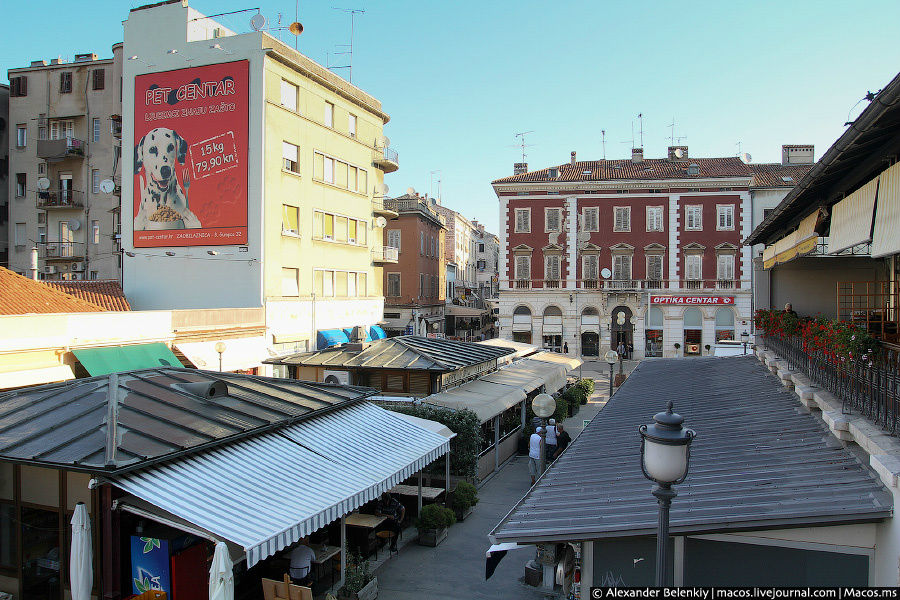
62	199
386	159
385	255
628	285
384	209
61	149
66	251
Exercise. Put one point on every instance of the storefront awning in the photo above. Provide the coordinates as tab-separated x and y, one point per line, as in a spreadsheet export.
25	377
886	237
331	337
486	399
240	354
465	311
553	357
797	243
115	359
851	219
265	493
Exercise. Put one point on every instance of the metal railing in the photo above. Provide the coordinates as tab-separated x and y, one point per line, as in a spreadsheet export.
60	250
872	391
60	198
706	285
385	254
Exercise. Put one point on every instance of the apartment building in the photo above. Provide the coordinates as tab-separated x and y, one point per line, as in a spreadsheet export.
254	180
4	175
460	248
487	261
64	167
642	252
414	287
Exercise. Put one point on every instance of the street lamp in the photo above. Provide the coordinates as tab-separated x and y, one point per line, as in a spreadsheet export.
665	458
220	348
611	357
745	337
543	406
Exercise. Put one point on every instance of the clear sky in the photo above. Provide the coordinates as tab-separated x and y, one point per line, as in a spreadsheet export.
460	78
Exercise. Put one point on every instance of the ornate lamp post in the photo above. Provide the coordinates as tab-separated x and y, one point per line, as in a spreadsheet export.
745	337
220	348
665	458
611	357
543	406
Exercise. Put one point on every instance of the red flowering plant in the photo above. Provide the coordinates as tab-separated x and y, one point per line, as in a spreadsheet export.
841	343
776	323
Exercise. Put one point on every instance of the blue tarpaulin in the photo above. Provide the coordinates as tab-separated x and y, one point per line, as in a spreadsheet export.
330	337
377	333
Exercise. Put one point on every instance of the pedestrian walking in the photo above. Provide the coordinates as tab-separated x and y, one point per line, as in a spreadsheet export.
620	350
534	453
565	347
630	352
563	439
550	440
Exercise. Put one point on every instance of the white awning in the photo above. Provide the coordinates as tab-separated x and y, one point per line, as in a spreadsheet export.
521	349
851	219
438	428
25	377
552	328
239	354
266	492
486	399
886	239
562	359
544	368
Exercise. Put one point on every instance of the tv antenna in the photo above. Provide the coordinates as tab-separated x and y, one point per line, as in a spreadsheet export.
603	138
431	182
641	120
739	149
675	139
349	52
522	143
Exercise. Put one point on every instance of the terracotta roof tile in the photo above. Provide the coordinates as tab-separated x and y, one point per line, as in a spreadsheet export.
20	295
770	175
648	169
106	293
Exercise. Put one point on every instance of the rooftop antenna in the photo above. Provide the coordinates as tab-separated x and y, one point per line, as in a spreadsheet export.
353	12
641	119
675	139
739	149
603	137
431	182
522	143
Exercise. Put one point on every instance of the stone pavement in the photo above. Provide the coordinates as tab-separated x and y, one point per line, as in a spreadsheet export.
455	569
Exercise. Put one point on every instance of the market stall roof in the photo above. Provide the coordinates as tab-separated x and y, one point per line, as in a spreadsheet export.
240	353
123	421
555	357
116	359
465	311
520	349
486	399
759	461
410	352
267	492
438	428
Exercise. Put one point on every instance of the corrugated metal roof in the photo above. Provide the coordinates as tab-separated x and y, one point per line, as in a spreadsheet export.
759	460
154	416
266	492
407	352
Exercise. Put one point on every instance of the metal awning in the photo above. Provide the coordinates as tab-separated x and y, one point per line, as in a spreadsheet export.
485	398
239	354
851	219
25	377
886	236
265	493
116	359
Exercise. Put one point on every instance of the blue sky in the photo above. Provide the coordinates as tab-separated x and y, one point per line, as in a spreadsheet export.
459	79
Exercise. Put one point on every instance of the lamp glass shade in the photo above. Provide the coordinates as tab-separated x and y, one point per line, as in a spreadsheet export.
611	356
665	463
220	347
745	336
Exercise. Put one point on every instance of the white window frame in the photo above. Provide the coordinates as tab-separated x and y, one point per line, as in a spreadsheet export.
95	232
290	157
95	132
21	136
626	226
662	266
328	170
730	266
351	125
399	280
559	226
688	259
518	275
596	212
95	181
655	213
726	210
527	212
285	230
290	95
695	223
329	115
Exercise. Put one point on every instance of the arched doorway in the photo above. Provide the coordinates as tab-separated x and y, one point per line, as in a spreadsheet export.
653	332
693	331
552	329
521	327
590	332
622	332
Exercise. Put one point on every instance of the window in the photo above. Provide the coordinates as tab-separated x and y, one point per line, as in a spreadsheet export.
94	275
693	267
725	267
654	218
421	285
20	185
290	282
21	136
42	168
725	217
361	288
552	217
361	237
693	217
655	267
290	218
95	126
289	95
523	220
65	82
42	134
340	229
433	247
361	181
62	129
289	154
18	86
590	267
551	267
592	219
329	227
481	264
481	247
394	238
393	280
340	284
329	170
329	114
351	178
351	284
422	243
622	218
95	181
351	231
622	267
767	212
98	79
351	126
19	236
95	232
523	267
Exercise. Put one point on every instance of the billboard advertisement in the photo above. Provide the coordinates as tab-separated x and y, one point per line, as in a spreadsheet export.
191	128
715	300
150	565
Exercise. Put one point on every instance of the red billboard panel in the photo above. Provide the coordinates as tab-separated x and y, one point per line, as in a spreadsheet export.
714	300
191	128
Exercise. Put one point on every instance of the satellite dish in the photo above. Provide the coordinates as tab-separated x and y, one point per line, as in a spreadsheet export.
107	186
43	183
385	141
380	222
543	405
258	22
74	225
411	191
679	153
584	236
295	28
383	189
606	273
746	157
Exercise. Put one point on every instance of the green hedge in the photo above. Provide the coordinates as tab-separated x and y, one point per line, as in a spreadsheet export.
464	448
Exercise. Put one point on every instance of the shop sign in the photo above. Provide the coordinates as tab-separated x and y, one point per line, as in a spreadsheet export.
714	300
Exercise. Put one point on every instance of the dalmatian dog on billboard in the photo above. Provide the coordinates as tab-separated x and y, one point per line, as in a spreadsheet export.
158	158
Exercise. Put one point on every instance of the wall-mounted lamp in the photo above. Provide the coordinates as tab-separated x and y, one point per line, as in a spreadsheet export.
571	298
129	254
212	252
170	253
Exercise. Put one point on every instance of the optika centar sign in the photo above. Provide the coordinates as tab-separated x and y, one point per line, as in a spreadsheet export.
713	300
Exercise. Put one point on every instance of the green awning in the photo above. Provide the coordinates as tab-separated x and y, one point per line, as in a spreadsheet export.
103	361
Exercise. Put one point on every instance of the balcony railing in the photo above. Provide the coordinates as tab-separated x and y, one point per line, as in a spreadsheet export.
60	250
385	254
383	208
54	150
873	391
387	159
59	199
624	285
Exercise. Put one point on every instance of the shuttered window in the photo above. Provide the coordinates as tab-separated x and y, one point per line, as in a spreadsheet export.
289	156
592	219
590	266
654	218
693	266
523	267
551	267
693	217
622	267
289	95
725	266
65	82
394	285
654	267
552	218
394	238
622	218
98	79
725	217
523	220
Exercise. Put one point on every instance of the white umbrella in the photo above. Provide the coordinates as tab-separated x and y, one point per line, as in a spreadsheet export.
221	575
81	569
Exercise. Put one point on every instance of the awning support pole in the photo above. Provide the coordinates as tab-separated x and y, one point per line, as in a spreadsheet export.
447	474
419	499
497	443
343	552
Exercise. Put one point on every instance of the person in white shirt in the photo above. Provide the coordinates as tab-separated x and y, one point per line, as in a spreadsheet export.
301	563
550	440
534	453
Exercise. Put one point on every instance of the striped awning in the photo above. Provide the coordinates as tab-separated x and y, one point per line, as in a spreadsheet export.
851	219
797	243
886	238
267	492
786	248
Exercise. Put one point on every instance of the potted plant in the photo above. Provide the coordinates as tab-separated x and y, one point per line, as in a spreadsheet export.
432	524
359	582
707	348
464	499
677	348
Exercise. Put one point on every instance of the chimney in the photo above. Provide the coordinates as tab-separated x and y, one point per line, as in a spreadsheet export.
34	263
59	60
637	155
798	154
86	57
519	168
573	158
678	152
39	63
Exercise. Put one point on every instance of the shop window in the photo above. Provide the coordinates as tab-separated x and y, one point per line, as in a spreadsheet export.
693	331
41	554
653	343
724	324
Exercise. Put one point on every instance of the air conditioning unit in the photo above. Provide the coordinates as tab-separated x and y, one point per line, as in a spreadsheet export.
342	377
49	269
78	266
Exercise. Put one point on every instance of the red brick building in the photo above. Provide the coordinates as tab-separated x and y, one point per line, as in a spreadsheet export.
646	252
414	286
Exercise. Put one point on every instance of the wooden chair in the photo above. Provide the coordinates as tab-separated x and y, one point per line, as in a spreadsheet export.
285	590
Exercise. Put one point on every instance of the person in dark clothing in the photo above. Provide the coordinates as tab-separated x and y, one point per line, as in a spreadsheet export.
562	440
390	507
789	309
